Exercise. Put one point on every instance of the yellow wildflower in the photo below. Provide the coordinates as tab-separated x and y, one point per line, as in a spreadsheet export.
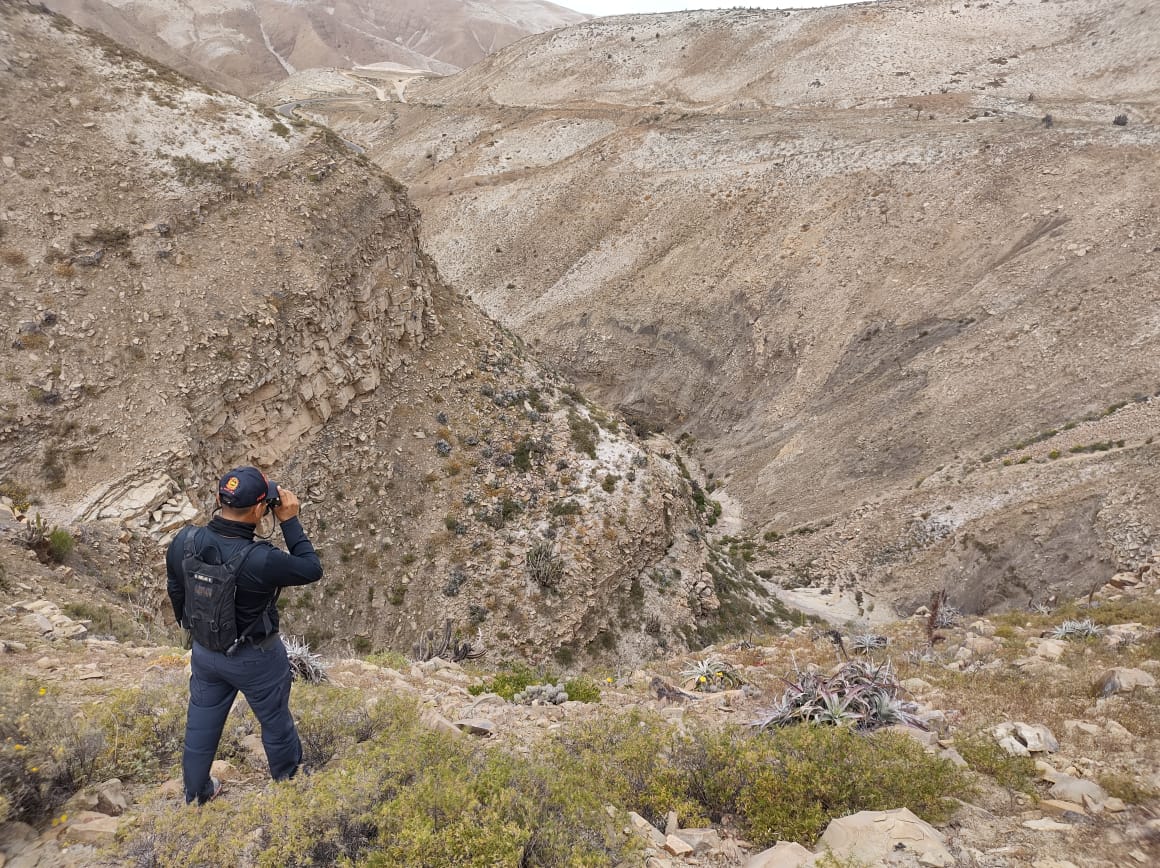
18	747
43	691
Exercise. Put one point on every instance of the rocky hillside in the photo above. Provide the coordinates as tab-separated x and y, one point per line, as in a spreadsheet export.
244	46
894	267
1029	741
192	284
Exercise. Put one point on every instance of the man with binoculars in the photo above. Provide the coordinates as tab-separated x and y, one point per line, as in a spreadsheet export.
224	585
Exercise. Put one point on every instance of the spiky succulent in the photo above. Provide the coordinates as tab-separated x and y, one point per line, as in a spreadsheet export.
867	642
947	616
1074	629
860	694
304	664
712	675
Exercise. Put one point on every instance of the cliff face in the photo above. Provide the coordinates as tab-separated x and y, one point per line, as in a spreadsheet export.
191	284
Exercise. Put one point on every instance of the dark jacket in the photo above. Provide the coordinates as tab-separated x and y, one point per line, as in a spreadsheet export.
264	571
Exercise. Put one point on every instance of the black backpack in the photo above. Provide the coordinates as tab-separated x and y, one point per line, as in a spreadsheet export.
210	590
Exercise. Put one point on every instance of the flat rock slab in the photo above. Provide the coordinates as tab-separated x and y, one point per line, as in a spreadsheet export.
1045	825
871	836
476	725
89	827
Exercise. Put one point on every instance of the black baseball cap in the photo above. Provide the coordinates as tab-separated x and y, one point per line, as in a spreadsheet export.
243	487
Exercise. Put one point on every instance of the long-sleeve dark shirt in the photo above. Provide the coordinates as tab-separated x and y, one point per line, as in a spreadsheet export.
265	570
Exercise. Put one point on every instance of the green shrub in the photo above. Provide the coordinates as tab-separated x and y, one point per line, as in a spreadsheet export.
511	681
609	483
46	752
389	660
60	544
143	730
582	689
584	433
104	619
984	755
566	507
1126	788
405	796
789	783
19	494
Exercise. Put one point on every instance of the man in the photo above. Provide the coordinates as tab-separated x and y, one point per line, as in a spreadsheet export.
256	664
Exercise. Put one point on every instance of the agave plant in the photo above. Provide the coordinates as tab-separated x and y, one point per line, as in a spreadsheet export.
947	616
1072	629
867	642
712	675
860	694
304	664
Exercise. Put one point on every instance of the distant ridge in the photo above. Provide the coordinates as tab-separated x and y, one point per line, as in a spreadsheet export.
245	45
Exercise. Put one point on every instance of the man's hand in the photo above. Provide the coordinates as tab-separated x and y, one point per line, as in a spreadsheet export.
288	508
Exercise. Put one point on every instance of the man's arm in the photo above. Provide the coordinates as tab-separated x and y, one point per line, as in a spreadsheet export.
298	566
175	576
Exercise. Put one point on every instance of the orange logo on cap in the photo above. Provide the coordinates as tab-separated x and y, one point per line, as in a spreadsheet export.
232	483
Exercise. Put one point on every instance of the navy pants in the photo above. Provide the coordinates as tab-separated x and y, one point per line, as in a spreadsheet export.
263	677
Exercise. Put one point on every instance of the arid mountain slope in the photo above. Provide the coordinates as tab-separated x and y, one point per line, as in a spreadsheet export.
858	253
188	284
245	45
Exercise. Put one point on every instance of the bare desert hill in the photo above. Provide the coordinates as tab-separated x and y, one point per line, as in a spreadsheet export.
893	266
245	46
190	283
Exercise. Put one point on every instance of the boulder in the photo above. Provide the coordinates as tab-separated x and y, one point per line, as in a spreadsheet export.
111	798
872	836
787	854
701	840
646	829
1077	790
434	720
1024	739
1122	680
1049	649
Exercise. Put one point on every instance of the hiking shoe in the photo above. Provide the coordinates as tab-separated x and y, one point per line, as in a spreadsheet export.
216	789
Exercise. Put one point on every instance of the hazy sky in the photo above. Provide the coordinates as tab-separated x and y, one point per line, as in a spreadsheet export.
625	7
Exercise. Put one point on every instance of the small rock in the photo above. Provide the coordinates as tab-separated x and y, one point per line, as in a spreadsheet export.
916	685
9	162
223	770
1049	649
1114	805
677	847
671	823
